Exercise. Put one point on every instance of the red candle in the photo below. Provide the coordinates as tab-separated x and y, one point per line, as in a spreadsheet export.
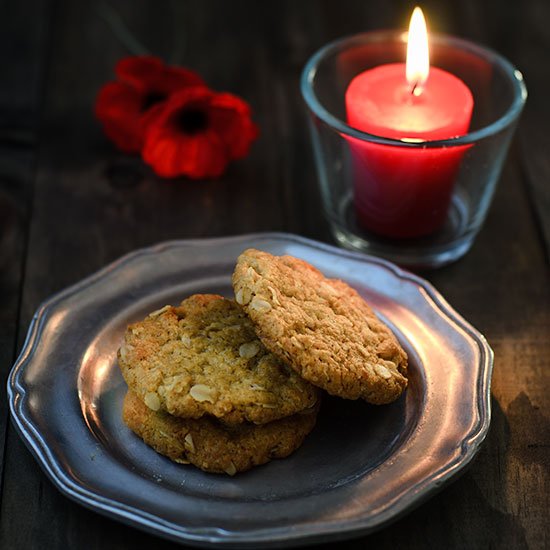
401	192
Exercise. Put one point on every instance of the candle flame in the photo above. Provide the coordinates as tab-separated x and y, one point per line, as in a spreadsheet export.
418	56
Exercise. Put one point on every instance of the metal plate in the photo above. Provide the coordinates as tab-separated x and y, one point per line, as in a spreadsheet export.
362	466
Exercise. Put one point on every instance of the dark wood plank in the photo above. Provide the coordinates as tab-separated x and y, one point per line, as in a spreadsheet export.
521	34
502	288
529	51
92	205
22	46
23	43
15	197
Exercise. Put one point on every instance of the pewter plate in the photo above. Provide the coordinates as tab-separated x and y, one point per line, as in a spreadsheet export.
362	466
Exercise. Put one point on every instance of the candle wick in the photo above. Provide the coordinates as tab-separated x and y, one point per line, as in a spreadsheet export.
417	89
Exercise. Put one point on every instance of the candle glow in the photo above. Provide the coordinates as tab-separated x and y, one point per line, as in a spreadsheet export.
418	55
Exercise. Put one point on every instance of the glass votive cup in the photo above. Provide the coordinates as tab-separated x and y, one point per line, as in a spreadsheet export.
417	203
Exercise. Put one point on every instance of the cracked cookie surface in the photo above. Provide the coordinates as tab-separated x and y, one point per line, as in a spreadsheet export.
213	446
203	357
322	327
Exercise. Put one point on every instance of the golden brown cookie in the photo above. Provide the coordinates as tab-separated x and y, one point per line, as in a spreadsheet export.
204	357
213	446
321	327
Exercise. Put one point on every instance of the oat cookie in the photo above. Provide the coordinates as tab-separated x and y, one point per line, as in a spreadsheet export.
204	357
321	327
213	446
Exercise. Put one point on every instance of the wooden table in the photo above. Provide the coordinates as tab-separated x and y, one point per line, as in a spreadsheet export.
69	204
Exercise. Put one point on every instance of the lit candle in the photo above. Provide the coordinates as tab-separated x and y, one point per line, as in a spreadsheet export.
402	192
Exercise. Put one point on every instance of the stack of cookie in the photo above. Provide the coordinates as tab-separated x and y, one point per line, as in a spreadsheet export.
227	385
204	390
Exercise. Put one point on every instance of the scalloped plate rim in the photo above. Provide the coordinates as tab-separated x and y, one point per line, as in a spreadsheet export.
209	536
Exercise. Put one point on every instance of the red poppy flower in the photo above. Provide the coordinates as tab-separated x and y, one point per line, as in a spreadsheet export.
197	132
126	107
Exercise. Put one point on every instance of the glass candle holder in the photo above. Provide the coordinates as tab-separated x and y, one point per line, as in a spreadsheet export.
417	203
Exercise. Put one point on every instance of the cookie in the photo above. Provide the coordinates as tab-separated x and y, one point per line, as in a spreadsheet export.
213	446
321	327
204	357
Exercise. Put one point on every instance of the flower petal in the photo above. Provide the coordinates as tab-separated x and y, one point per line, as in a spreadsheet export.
173	149
230	118
176	78
151	75
127	107
137	70
201	156
118	109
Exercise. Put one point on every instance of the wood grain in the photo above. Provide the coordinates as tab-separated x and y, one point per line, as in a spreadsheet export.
521	34
20	99
91	204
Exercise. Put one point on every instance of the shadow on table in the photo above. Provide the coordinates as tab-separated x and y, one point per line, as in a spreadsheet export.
466	513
